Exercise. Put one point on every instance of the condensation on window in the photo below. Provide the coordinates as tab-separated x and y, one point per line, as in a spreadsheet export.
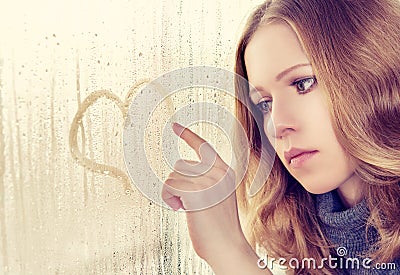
68	72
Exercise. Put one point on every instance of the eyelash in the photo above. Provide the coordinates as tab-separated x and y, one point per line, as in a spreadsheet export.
301	90
302	81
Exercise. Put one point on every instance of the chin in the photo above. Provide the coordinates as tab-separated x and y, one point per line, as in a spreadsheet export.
317	189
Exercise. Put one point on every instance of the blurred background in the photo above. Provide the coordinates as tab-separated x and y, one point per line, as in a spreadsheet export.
68	71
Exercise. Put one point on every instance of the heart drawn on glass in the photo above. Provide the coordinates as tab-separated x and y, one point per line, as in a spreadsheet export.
76	124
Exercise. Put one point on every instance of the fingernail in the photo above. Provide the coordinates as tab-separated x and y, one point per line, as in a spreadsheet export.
175	205
177	128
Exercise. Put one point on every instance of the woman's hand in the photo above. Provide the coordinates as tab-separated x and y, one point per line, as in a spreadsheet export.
206	191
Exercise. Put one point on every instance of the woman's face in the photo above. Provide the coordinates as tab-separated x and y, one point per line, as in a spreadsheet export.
296	117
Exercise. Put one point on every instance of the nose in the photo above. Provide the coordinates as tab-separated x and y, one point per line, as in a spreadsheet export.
281	121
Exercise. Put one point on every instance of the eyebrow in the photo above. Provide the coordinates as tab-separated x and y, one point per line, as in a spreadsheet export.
288	70
282	74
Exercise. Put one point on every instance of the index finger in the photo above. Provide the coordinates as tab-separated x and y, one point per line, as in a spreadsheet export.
202	148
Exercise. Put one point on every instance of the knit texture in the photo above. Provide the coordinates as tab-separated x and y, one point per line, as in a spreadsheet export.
346	229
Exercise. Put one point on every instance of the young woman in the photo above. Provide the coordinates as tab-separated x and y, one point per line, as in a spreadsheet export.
325	85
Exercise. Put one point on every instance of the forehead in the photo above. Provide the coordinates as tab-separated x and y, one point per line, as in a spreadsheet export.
273	48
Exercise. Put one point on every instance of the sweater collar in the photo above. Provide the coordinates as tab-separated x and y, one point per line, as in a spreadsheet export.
332	213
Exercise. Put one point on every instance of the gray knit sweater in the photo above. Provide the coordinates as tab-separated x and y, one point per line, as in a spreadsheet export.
346	228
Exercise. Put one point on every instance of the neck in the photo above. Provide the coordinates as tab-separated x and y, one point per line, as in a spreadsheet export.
350	191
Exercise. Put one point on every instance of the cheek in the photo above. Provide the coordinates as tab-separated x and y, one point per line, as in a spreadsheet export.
269	129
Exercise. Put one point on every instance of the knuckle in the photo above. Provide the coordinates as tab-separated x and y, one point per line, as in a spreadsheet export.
205	182
178	164
172	175
219	172
169	181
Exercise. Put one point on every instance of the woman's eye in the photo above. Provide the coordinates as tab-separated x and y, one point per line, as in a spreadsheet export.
265	106
303	85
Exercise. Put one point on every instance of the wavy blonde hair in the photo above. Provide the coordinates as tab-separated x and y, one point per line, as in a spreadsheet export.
354	49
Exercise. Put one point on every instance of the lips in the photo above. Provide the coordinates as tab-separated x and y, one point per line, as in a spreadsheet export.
296	156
